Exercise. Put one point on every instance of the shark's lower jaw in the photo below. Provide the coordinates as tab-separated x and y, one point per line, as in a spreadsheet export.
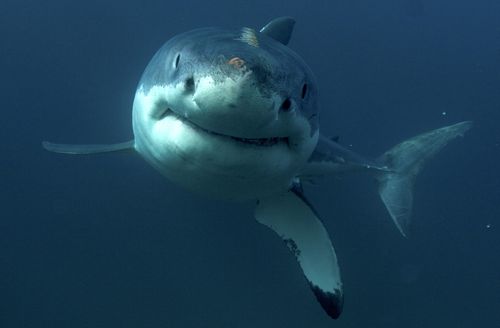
260	142
211	163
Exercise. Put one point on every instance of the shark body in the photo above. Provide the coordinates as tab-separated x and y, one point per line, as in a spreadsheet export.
234	114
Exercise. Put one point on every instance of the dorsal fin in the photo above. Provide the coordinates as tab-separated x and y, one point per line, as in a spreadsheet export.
280	29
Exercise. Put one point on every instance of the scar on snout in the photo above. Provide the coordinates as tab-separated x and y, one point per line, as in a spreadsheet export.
236	62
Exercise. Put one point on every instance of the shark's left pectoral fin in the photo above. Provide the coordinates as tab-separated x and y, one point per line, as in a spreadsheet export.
294	220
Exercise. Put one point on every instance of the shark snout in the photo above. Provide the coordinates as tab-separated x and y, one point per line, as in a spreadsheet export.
235	106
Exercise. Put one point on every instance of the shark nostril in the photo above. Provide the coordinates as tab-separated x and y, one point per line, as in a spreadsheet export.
189	84
286	105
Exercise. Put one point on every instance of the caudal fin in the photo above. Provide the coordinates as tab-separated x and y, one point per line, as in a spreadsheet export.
404	161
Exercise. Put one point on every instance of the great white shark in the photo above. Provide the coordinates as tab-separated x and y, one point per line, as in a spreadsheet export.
234	114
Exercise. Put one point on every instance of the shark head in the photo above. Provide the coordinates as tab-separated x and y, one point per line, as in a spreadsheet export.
229	113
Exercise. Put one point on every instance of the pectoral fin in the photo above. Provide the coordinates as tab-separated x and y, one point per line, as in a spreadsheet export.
88	149
296	222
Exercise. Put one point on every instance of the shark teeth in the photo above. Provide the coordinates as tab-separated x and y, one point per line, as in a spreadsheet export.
265	142
261	142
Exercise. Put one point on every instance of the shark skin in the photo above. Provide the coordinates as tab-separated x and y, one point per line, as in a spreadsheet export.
234	114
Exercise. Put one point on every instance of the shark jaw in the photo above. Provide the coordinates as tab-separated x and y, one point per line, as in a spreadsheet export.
208	162
258	142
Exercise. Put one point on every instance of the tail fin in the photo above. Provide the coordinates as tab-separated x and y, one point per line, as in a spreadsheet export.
404	161
88	149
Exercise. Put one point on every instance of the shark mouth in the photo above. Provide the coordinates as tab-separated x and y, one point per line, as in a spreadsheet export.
262	142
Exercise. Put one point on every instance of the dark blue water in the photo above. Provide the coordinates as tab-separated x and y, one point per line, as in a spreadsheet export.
104	241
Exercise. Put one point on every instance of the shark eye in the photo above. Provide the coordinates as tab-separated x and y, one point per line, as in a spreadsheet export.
304	91
176	60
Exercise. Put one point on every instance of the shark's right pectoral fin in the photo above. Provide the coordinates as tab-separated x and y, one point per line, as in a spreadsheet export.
88	149
294	220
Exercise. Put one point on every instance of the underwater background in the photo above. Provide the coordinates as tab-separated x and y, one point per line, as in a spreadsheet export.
105	241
